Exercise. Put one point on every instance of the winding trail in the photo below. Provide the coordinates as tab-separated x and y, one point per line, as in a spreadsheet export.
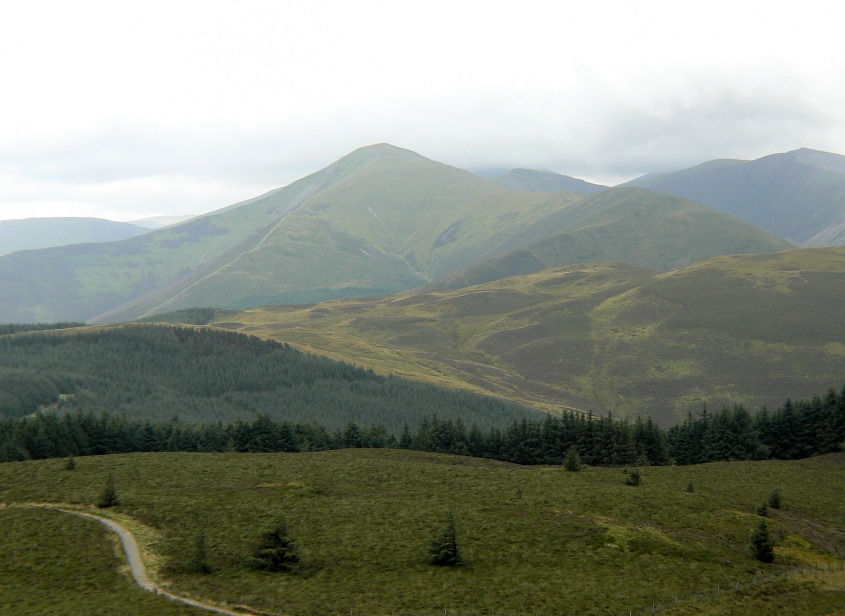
136	563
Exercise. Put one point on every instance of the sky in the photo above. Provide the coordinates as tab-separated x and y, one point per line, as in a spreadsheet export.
125	110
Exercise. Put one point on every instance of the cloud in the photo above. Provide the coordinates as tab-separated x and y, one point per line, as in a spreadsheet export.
184	108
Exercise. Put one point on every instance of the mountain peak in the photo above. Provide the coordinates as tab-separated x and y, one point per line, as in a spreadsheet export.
819	158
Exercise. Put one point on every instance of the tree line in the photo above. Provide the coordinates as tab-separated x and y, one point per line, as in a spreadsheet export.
794	430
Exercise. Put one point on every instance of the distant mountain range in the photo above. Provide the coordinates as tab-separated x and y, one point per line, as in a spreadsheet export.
158	222
531	180
377	221
797	195
35	233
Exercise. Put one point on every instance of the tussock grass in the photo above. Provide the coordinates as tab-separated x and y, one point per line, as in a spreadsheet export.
535	539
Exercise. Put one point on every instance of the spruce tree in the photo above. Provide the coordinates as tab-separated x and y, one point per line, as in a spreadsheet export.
275	551
774	500
443	550
572	461
634	478
762	546
199	557
108	497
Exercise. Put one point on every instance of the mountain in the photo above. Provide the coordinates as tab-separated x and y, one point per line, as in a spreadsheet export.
34	233
647	229
157	222
532	180
798	195
752	329
379	220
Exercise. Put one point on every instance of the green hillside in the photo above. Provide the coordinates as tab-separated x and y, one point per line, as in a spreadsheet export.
35	233
644	228
532	180
381	219
378	221
798	195
751	329
149	372
533	539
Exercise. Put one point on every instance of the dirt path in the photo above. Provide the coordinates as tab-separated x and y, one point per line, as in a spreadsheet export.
136	563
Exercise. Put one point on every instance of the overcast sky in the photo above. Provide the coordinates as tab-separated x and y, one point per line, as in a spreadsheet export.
130	109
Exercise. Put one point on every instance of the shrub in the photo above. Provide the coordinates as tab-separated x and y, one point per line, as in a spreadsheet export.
634	478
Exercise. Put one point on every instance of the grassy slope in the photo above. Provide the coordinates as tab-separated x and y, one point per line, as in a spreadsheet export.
53	563
798	195
533	180
379	220
644	228
750	329
537	539
34	233
390	220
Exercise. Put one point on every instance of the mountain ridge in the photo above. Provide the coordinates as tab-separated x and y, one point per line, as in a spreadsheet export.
798	195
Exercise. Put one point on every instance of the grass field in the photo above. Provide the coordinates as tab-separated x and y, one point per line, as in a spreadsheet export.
536	539
53	563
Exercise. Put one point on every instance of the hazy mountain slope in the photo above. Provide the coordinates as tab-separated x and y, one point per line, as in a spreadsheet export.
393	220
753	329
533	180
379	220
157	222
648	229
34	233
798	195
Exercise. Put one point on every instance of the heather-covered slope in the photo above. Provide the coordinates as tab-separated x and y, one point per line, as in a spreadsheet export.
752	329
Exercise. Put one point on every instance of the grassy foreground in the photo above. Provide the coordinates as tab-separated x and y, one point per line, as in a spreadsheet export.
536	539
52	563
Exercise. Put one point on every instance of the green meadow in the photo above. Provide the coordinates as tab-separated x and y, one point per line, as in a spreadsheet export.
533	539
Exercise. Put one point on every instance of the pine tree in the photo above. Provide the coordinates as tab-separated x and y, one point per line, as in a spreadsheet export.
774	500
275	551
634	478
762	546
70	465
108	497
199	558
444	549
572	461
